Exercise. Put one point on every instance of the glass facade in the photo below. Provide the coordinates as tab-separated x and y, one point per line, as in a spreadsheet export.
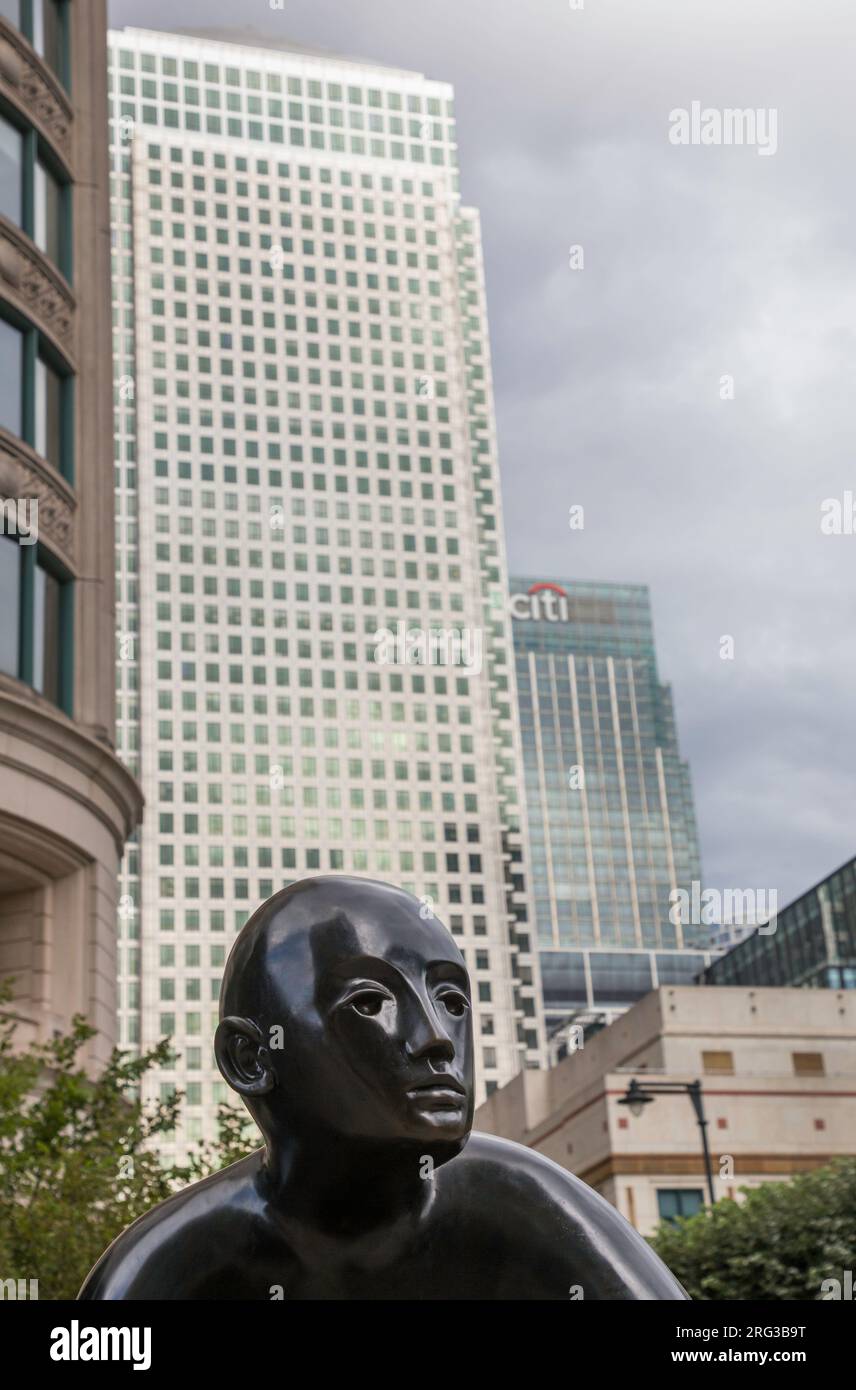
11	378
11	166
49	219
814	943
611	819
591	980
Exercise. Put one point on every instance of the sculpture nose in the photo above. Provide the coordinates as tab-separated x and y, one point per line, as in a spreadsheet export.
426	1037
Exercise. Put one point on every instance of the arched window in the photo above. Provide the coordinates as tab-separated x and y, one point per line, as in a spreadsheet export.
36	393
34	192
36	607
45	24
10	606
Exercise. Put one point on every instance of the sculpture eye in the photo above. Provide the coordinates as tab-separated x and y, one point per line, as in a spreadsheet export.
456	1004
368	1004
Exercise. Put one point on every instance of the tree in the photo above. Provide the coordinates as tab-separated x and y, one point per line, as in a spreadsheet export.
781	1243
78	1158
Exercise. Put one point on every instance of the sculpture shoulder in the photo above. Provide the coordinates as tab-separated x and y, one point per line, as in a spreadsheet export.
578	1233
158	1255
517	1165
500	1168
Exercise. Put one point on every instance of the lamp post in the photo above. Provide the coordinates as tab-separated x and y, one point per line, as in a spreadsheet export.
639	1095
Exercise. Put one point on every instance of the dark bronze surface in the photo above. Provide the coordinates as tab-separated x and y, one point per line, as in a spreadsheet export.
346	1027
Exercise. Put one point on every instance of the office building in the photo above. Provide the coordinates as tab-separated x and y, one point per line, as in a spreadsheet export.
777	1069
67	803
306	478
610	808
813	944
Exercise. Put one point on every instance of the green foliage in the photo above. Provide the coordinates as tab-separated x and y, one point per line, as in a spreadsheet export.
78	1160
237	1136
781	1243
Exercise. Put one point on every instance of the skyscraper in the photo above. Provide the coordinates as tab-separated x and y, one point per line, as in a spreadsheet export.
307	481
610	806
67	803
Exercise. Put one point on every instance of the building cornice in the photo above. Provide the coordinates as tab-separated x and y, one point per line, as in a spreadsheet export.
692	1165
24	473
37	289
35	721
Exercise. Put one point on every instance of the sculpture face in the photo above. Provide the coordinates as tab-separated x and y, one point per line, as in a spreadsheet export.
374	1004
395	1024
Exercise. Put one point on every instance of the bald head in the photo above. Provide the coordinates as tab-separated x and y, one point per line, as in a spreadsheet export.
345	1008
306	929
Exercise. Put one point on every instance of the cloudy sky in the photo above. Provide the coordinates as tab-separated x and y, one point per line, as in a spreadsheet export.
699	262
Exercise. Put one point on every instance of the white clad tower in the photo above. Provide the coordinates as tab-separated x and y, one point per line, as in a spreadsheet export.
306	461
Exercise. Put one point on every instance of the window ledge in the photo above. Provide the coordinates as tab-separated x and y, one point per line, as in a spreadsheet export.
24	473
37	288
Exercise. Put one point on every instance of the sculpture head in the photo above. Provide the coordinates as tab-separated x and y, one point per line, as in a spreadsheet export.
345	1012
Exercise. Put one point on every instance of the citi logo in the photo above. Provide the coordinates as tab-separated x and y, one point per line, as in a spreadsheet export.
542	601
76	1343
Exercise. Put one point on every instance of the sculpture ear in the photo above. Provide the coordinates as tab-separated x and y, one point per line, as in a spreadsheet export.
243	1059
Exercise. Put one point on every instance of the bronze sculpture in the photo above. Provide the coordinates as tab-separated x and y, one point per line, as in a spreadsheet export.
346	1027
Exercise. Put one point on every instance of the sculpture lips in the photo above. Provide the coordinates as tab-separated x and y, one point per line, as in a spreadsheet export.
438	1085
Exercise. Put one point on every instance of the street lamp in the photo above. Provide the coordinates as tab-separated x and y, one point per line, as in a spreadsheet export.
638	1096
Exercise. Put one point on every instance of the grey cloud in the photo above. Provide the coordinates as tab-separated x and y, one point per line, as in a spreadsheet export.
699	262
